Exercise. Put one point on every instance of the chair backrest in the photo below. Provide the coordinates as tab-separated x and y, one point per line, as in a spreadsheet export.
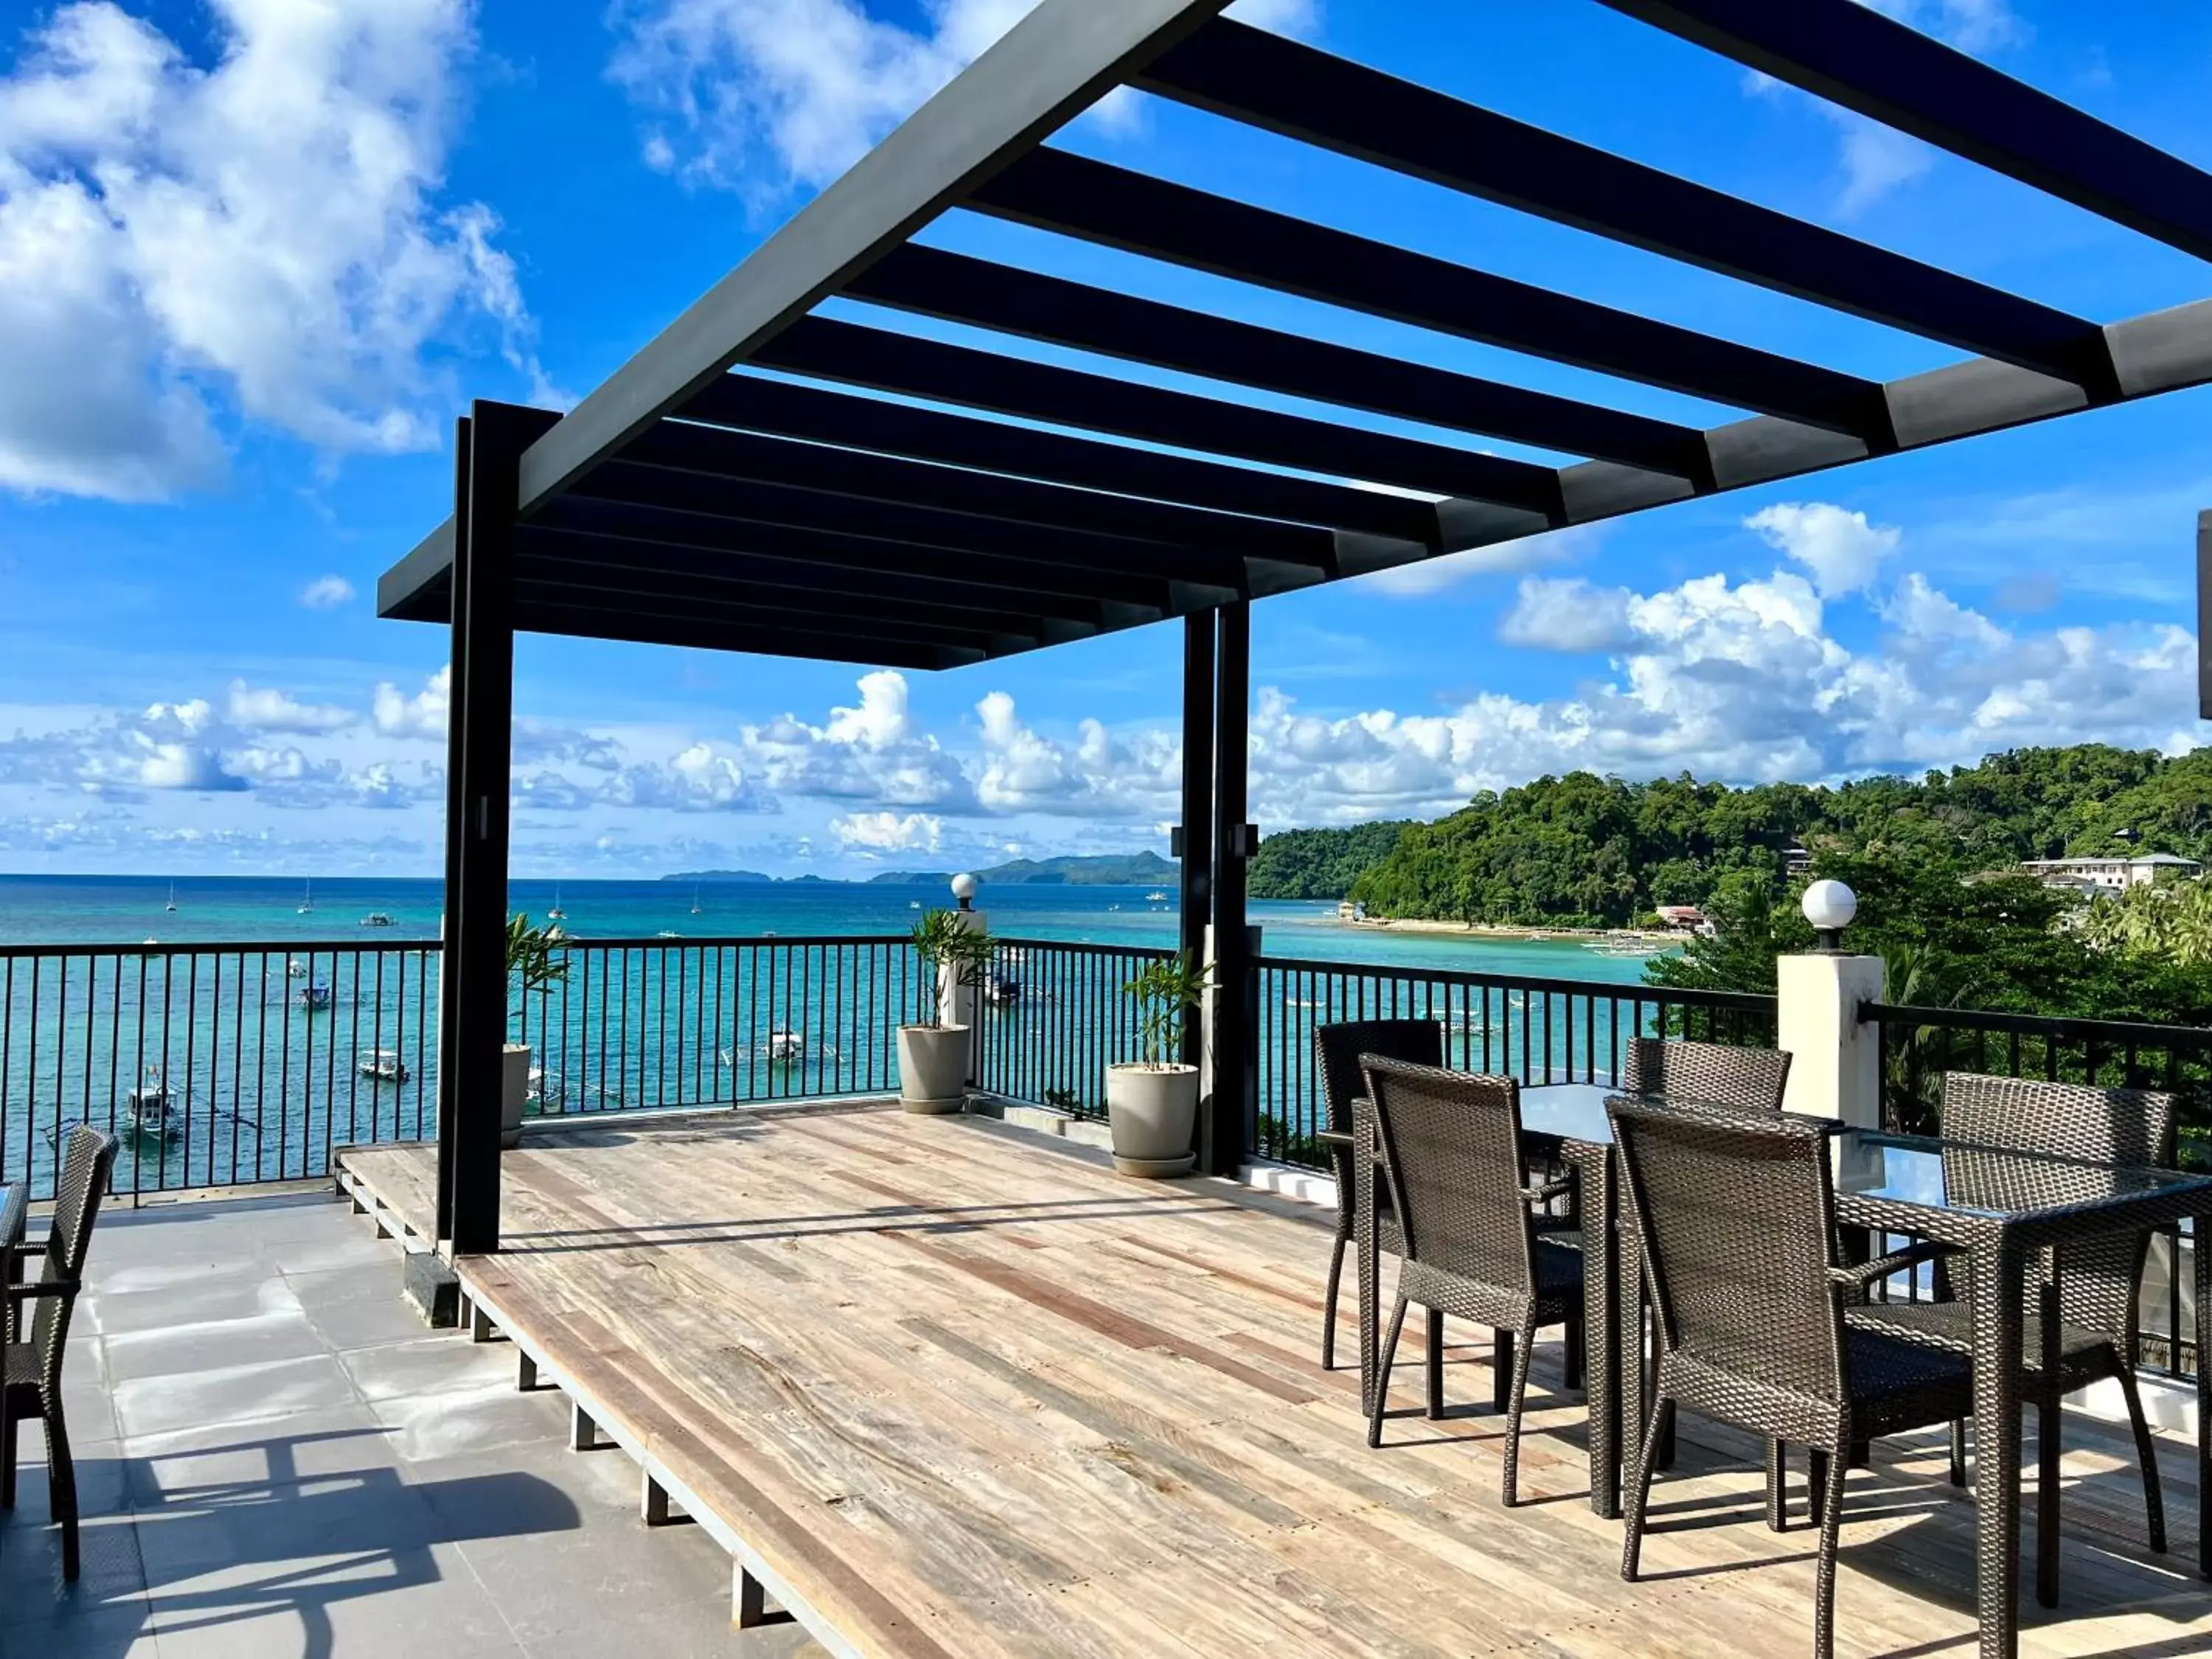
1707	1074
1338	1048
88	1160
1452	1144
1735	1214
2098	1288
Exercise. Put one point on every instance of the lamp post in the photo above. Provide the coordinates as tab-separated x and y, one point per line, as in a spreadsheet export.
963	889
1829	906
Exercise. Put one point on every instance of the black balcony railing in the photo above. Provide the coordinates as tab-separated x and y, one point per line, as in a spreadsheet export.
1052	1017
1539	1030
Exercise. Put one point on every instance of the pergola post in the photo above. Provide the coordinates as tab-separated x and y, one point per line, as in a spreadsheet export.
2203	614
1193	835
481	717
449	923
1232	1097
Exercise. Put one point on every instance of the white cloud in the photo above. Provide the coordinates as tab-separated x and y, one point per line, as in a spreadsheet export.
327	593
1876	160
1097	776
261	234
872	834
760	96
264	708
1844	551
1567	614
422	715
1975	26
875	750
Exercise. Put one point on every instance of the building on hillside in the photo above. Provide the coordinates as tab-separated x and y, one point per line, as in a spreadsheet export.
1796	862
2111	875
1687	917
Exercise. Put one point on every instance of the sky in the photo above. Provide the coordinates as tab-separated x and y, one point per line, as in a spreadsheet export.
256	255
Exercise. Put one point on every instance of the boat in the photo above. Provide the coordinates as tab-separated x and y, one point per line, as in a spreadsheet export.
556	914
913	904
784	1047
383	1065
173	897
314	996
296	968
697	909
1001	989
376	919
152	1109
307	900
669	933
556	933
1155	898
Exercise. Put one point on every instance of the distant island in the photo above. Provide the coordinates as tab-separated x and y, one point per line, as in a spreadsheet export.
721	877
1146	869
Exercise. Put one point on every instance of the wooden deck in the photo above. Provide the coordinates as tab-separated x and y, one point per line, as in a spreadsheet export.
951	1389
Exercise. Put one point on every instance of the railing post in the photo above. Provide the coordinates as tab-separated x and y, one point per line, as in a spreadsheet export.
1835	1058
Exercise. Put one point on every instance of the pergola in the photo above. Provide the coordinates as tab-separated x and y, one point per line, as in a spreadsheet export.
897	500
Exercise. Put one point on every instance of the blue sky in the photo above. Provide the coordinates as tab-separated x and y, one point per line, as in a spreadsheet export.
255	255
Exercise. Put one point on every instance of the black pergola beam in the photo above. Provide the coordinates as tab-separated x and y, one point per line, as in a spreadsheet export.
1853	56
747	502
818	645
825	348
753	403
792	584
1048	68
1058	191
957	287
1289	87
787	464
557	592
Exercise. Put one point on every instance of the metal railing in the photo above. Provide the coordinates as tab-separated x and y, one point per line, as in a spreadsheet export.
1539	1030
1052	1017
1918	1045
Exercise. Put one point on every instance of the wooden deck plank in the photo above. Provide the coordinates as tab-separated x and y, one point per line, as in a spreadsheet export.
965	1391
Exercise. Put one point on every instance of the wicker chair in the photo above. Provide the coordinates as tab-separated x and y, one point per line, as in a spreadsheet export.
1338	1050
1736	1217
1709	1073
1457	1173
2098	1308
31	1372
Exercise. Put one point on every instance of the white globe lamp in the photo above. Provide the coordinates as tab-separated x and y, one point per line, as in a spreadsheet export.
964	888
1830	906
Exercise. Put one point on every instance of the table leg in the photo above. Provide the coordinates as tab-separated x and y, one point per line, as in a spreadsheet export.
2047	1448
1600	1332
2201	1243
1367	1232
1998	1284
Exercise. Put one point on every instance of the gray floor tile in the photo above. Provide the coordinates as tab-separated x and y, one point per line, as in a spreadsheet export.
239	1461
430	1363
698	1630
109	1573
187	1349
237	1393
217	1297
100	1633
357	1309
608	1571
102	1486
455	1424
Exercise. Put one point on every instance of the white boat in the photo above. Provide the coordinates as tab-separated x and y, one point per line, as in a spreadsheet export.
1155	898
307	900
376	919
314	996
556	914
669	933
383	1065
296	968
697	909
173	897
152	1109
784	1047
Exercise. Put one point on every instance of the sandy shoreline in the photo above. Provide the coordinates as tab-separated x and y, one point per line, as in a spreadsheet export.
1486	930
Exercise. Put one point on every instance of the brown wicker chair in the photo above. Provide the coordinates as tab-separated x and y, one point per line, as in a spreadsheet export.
1736	1217
31	1372
2098	1308
1458	1174
1710	1073
1338	1050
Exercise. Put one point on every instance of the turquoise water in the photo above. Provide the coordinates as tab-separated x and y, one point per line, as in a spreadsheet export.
265	1035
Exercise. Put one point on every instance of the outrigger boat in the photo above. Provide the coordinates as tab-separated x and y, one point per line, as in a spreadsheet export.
153	1109
383	1065
314	996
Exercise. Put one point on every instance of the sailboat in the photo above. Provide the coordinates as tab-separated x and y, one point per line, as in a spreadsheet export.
173	896
307	900
695	910
556	914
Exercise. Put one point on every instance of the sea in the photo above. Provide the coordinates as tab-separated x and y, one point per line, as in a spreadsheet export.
232	1028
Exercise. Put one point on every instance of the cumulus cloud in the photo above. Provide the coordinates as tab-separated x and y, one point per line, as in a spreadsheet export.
761	95
327	593
1976	26
262	233
874	750
872	834
1567	614
1844	551
1097	776
397	714
264	708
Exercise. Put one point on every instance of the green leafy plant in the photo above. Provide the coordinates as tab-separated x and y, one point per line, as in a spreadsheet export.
947	947
534	956
1166	990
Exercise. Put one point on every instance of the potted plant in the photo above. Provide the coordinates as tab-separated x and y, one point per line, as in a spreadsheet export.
1151	1105
933	1054
536	964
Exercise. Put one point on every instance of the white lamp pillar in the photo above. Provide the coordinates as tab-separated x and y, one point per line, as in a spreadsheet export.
1835	1065
958	1003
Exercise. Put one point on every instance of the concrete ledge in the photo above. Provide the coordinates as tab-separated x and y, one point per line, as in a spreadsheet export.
1041	1119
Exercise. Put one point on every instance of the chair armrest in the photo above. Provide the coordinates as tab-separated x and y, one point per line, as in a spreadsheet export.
1549	1190
1868	1274
1336	1138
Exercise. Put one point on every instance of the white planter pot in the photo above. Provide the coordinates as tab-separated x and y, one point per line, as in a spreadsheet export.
933	1067
1152	1111
513	1091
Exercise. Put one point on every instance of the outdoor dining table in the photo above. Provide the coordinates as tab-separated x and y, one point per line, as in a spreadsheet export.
2002	1208
14	1211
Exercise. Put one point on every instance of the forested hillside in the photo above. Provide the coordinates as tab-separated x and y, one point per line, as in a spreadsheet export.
1583	850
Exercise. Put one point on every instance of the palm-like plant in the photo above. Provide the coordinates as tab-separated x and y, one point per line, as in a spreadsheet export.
534	957
1166	990
950	948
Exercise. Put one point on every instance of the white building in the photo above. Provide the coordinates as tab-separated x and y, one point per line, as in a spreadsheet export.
2111	875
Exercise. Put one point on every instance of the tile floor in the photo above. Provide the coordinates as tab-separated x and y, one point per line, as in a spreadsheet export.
277	1461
